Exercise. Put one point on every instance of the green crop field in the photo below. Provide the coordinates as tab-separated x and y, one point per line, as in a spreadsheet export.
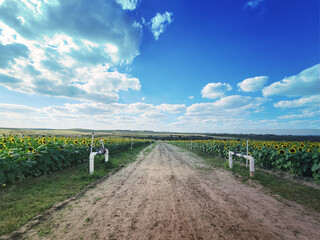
297	158
21	157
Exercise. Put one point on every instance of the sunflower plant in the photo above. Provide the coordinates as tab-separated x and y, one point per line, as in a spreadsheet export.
34	156
297	158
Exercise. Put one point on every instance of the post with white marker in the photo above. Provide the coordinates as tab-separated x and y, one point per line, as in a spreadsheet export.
247	157
247	153
99	152
230	159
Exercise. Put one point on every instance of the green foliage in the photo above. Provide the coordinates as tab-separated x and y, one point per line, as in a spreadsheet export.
22	200
296	158
276	185
24	157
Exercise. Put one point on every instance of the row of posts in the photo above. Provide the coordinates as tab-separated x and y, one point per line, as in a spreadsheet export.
247	157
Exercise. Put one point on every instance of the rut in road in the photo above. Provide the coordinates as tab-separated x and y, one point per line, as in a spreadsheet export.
172	194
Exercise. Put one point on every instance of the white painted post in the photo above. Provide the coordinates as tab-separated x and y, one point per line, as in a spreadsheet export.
91	142
230	159
247	147
251	166
93	154
91	159
91	162
247	157
106	156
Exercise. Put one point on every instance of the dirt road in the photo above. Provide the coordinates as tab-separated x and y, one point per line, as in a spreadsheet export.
171	194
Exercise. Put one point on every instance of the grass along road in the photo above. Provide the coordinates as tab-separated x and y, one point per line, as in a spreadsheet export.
22	201
301	192
173	194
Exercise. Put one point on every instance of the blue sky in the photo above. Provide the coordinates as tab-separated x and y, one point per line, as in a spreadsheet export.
187	66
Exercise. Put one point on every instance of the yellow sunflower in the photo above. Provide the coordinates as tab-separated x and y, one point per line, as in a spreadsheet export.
2	146
292	150
30	150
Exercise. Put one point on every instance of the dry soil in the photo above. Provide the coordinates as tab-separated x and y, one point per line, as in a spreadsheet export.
170	193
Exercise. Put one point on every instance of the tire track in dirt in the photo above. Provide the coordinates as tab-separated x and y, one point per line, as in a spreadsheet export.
220	224
163	196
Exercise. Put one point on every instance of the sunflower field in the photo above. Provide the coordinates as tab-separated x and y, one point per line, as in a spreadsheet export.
297	158
34	156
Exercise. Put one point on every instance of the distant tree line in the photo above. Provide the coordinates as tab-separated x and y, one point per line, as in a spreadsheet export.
269	137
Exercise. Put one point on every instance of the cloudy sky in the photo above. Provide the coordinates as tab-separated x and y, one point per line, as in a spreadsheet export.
182	65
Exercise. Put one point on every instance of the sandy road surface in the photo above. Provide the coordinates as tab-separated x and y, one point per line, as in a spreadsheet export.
168	194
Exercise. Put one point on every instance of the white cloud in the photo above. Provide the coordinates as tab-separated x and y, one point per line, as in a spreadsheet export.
86	115
86	84
15	108
60	42
172	108
253	84
307	102
305	83
34	5
139	107
128	4
203	117
100	22
155	115
137	24
74	49
231	105
99	80
215	90
254	3
21	20
71	58
159	23
237	101
304	114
